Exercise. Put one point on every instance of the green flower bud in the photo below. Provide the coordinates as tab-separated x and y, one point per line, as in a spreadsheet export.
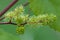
20	30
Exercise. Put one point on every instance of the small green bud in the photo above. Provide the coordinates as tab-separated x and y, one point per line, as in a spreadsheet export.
20	30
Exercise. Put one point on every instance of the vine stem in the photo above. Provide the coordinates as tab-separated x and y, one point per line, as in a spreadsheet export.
12	23
25	4
7	23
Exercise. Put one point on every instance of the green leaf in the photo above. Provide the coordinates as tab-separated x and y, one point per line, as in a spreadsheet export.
47	6
41	6
38	32
7	36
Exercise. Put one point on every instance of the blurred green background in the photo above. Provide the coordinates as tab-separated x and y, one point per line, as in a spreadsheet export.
8	32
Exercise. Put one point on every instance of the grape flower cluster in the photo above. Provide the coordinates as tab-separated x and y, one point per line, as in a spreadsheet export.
17	16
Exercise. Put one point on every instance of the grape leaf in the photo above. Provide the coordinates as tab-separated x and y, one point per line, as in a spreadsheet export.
47	6
7	36
41	6
38	32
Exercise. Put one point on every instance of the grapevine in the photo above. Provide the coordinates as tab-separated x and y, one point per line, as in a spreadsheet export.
19	18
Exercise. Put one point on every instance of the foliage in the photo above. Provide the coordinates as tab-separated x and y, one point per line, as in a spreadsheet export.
7	36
